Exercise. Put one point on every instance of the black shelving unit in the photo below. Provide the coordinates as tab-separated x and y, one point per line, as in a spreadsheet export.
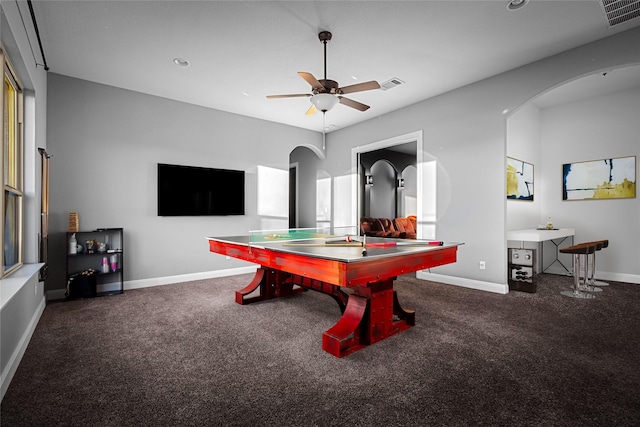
85	274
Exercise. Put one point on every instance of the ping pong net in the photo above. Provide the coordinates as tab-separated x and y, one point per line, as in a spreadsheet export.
297	234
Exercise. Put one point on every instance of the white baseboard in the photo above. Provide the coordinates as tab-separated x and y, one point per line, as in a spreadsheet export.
504	289
466	283
161	281
16	357
180	278
618	277
602	275
424	275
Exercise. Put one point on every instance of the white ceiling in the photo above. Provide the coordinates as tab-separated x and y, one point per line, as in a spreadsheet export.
241	51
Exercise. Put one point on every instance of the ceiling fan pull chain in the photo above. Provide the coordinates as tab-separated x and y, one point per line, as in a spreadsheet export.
324	136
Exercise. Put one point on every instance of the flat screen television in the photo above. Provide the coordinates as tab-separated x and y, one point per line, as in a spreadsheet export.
196	191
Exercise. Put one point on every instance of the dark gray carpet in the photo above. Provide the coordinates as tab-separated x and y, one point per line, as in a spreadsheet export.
188	355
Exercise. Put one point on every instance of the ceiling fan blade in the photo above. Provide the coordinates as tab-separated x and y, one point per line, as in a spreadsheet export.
311	80
359	87
353	104
294	95
311	111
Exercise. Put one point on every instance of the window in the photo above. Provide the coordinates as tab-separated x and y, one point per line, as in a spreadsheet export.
12	179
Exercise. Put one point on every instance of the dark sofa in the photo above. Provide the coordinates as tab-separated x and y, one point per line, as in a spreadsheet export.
400	228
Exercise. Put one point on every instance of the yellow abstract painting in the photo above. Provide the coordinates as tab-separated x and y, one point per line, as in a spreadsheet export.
519	180
600	179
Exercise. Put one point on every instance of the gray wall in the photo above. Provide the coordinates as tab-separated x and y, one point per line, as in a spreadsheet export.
106	143
22	295
18	319
601	127
465	131
523	143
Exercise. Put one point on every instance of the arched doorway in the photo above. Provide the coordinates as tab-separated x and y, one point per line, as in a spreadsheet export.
424	187
304	166
586	119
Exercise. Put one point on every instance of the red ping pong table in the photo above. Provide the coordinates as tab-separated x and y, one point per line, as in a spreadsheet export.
371	311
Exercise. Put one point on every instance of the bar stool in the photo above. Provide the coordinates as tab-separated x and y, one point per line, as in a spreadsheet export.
588	281
600	244
580	254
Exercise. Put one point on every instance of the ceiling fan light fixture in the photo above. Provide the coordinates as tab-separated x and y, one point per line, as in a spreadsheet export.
324	101
326	93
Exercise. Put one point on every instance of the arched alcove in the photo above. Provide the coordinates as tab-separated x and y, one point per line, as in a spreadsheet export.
382	190
303	176
589	118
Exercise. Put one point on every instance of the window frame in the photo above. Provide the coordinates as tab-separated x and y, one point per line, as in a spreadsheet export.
11	76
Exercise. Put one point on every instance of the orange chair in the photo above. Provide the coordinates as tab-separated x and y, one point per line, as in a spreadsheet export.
371	227
390	230
414	221
405	225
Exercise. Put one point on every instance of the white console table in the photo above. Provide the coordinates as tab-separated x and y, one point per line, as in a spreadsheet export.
556	236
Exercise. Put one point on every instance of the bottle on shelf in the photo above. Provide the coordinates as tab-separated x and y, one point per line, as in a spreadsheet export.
73	245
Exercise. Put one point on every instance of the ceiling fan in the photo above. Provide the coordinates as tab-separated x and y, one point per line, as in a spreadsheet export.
327	93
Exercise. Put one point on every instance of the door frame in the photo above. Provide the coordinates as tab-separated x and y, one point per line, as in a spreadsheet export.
416	137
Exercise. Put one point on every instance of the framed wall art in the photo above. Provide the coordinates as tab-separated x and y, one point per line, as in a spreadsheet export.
600	179
519	180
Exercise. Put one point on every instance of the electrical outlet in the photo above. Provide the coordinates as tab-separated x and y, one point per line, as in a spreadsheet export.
482	265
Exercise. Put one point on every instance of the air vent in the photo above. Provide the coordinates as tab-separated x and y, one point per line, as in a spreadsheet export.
391	83
619	11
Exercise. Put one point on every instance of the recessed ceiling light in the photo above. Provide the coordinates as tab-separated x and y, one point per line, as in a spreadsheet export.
516	4
181	62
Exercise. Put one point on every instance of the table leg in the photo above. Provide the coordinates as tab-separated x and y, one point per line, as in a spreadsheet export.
333	291
269	283
345	336
402	314
370	314
557	254
373	313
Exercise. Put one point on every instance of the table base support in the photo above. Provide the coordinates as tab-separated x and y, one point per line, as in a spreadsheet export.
373	313
370	314
270	284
